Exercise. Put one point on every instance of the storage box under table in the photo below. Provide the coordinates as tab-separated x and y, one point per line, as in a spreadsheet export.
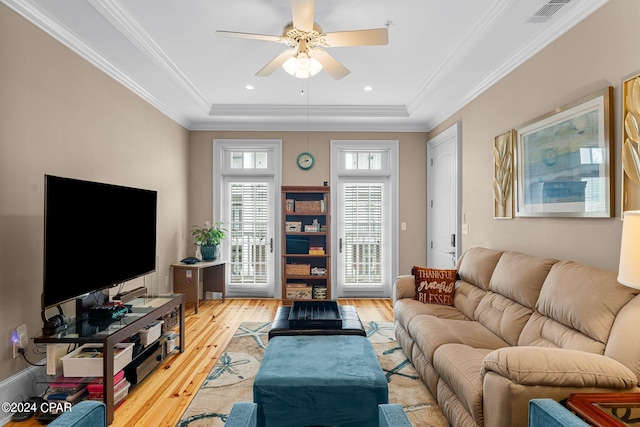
82	363
150	333
330	380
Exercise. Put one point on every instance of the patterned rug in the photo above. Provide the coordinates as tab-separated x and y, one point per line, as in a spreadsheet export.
231	379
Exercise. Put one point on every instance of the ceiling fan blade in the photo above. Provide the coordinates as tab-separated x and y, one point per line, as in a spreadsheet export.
276	62
373	37
302	12
277	39
330	64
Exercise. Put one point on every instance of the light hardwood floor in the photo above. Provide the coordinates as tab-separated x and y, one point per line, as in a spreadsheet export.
162	397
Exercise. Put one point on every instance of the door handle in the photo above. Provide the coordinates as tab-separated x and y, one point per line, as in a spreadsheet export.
340	245
271	245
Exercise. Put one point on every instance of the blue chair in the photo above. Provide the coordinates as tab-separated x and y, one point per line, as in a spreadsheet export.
392	415
549	413
244	414
88	413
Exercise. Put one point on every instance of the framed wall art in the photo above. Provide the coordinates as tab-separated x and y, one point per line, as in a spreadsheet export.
563	161
630	143
503	176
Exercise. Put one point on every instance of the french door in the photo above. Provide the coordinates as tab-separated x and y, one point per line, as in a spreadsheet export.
364	211
247	205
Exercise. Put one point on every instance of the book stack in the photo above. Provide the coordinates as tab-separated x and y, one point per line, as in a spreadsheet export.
316	250
120	389
67	389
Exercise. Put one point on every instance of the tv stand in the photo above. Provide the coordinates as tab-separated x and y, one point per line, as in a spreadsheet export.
148	309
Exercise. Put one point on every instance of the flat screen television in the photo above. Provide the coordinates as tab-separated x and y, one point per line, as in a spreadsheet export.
96	236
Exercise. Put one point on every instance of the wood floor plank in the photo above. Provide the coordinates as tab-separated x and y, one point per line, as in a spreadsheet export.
162	398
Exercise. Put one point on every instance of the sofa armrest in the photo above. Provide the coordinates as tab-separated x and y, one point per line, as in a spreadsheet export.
558	367
392	415
404	287
549	413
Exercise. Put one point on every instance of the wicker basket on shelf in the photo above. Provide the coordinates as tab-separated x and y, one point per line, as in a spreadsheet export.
298	269
309	207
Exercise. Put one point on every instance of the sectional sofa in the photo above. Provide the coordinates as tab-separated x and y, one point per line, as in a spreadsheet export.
520	327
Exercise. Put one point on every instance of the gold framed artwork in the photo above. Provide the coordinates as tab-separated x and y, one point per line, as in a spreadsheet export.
563	161
630	143
503	175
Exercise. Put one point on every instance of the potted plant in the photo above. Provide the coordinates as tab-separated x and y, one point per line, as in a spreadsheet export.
209	238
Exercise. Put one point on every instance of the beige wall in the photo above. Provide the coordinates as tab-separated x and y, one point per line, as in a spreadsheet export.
601	51
59	115
412	173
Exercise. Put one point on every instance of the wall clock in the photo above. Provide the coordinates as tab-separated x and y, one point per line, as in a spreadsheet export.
305	160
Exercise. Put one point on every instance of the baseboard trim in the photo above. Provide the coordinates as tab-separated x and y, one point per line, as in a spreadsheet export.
31	381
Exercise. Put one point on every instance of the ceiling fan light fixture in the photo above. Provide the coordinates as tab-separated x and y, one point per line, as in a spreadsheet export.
302	66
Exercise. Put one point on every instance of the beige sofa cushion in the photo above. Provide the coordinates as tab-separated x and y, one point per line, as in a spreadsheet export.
520	277
431	332
406	309
558	367
571	291
502	316
624	340
513	291
476	266
467	298
543	331
459	367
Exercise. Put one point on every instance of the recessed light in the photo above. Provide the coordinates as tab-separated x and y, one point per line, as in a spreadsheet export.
249	87
368	88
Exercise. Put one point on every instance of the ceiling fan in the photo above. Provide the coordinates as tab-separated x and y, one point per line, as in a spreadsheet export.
306	56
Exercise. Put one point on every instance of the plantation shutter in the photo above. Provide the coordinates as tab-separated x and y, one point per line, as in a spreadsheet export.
363	237
248	233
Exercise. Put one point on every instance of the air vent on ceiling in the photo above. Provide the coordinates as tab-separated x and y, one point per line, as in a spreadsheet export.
547	11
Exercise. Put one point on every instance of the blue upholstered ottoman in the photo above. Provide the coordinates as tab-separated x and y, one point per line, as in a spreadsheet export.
333	380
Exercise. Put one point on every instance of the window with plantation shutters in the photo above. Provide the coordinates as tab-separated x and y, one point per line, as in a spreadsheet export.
363	237
248	236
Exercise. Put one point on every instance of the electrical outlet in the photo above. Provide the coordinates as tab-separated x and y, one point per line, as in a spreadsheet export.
166	282
19	339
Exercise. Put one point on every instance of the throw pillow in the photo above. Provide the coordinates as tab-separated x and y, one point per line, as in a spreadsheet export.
435	286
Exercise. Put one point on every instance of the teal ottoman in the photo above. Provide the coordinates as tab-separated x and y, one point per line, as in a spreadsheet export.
333	380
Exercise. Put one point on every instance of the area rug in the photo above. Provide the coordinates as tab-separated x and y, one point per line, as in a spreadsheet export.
231	379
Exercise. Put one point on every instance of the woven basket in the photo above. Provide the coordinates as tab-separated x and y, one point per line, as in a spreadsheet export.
314	206
298	269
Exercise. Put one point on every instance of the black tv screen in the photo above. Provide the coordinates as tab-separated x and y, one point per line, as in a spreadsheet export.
96	236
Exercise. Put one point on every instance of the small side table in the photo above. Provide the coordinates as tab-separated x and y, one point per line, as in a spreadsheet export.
606	409
186	278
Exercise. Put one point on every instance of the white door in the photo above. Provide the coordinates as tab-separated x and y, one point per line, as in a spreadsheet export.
442	199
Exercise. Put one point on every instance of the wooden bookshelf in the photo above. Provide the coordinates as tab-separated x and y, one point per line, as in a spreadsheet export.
306	243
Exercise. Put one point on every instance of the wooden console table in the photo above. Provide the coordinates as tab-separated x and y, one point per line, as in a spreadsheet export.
186	278
146	310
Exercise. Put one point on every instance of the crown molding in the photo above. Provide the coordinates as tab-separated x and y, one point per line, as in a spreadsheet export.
463	48
317	126
558	26
32	13
114	12
303	111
